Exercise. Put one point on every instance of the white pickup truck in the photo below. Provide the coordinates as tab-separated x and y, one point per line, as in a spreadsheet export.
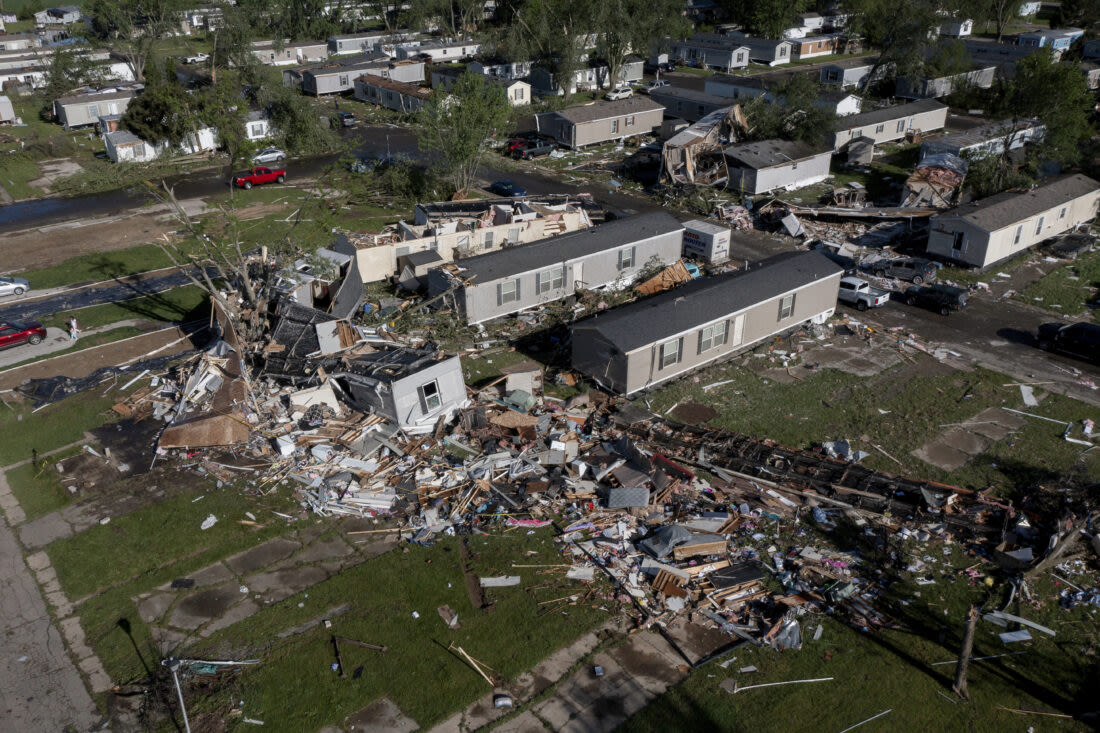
860	294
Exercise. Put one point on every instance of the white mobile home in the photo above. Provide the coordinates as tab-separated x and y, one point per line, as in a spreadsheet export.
891	123
772	165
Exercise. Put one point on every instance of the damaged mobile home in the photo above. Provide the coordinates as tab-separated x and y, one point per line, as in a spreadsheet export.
650	341
517	278
696	154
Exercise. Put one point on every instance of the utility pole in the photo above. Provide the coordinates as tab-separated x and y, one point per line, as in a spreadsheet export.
174	665
964	656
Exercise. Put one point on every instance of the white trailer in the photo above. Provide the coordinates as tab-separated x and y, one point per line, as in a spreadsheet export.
706	241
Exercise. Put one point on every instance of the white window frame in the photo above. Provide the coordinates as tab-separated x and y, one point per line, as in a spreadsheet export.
879	128
627	257
1019	233
1039	225
614	127
713	336
786	306
430	402
550	279
670	353
508	291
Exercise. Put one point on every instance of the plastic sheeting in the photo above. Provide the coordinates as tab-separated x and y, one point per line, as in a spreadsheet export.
54	389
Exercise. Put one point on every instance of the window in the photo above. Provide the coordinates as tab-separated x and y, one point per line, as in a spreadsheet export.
958	242
508	292
670	354
630	120
713	336
901	125
430	398
786	306
879	128
258	129
488	242
464	241
513	235
614	126
519	92
1062	213
832	75
343	80
93	110
1039	225
402	251
782	51
740	58
626	258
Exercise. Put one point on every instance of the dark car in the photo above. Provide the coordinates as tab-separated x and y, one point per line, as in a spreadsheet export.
938	297
912	269
1081	340
507	188
533	149
346	119
13	334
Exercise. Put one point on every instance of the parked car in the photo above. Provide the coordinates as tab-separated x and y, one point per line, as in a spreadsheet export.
620	93
654	85
663	67
269	155
859	293
13	286
1081	340
196	59
534	149
938	297
507	188
522	139
258	176
912	269
346	119
13	334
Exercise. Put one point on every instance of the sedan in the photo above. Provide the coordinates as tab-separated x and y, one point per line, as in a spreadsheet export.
13	286
1081	340
13	334
620	93
507	188
269	155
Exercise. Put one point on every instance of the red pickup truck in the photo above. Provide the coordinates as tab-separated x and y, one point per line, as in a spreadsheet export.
259	175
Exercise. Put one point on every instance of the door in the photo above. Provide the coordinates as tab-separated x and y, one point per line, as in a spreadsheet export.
737	330
578	275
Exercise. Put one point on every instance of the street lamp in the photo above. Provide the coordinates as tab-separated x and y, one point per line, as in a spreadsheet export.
174	665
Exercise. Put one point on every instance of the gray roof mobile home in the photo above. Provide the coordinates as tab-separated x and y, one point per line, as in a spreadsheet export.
711	51
80	110
601	122
394	95
770	165
650	341
688	104
337	78
891	123
521	277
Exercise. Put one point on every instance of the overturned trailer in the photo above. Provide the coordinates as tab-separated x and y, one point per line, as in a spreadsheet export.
696	155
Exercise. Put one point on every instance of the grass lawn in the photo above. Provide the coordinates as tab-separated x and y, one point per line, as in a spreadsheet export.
39	488
425	680
99	267
918	399
172	306
52	427
892	670
1069	289
18	171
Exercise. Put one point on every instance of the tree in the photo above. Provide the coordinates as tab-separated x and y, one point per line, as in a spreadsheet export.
163	111
1001	12
132	28
222	107
66	73
1056	94
899	30
792	112
991	174
453	17
623	27
458	127
550	32
297	121
765	18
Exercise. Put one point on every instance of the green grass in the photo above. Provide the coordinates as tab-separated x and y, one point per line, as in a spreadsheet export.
918	398
171	306
98	267
695	72
38	487
17	173
427	682
829	59
54	426
85	342
1069	289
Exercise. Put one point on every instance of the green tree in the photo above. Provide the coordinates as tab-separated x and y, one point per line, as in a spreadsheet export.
900	32
222	106
1057	95
947	58
791	111
991	174
765	18
1001	12
458	127
132	28
66	73
623	27
549	32
163	111
297	123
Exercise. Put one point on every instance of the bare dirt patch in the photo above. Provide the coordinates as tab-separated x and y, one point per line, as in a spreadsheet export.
53	171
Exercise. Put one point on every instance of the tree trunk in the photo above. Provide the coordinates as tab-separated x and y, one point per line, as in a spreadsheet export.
964	656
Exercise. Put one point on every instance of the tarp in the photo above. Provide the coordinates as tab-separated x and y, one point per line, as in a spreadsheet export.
662	542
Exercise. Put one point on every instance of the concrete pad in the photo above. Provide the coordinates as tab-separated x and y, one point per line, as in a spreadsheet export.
154	607
696	641
97	676
650	663
38	561
550	670
966	441
942	456
167	640
381	716
280	584
40	532
261	556
10	506
482	713
211	575
60	603
238	613
525	722
995	423
330	549
204	606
